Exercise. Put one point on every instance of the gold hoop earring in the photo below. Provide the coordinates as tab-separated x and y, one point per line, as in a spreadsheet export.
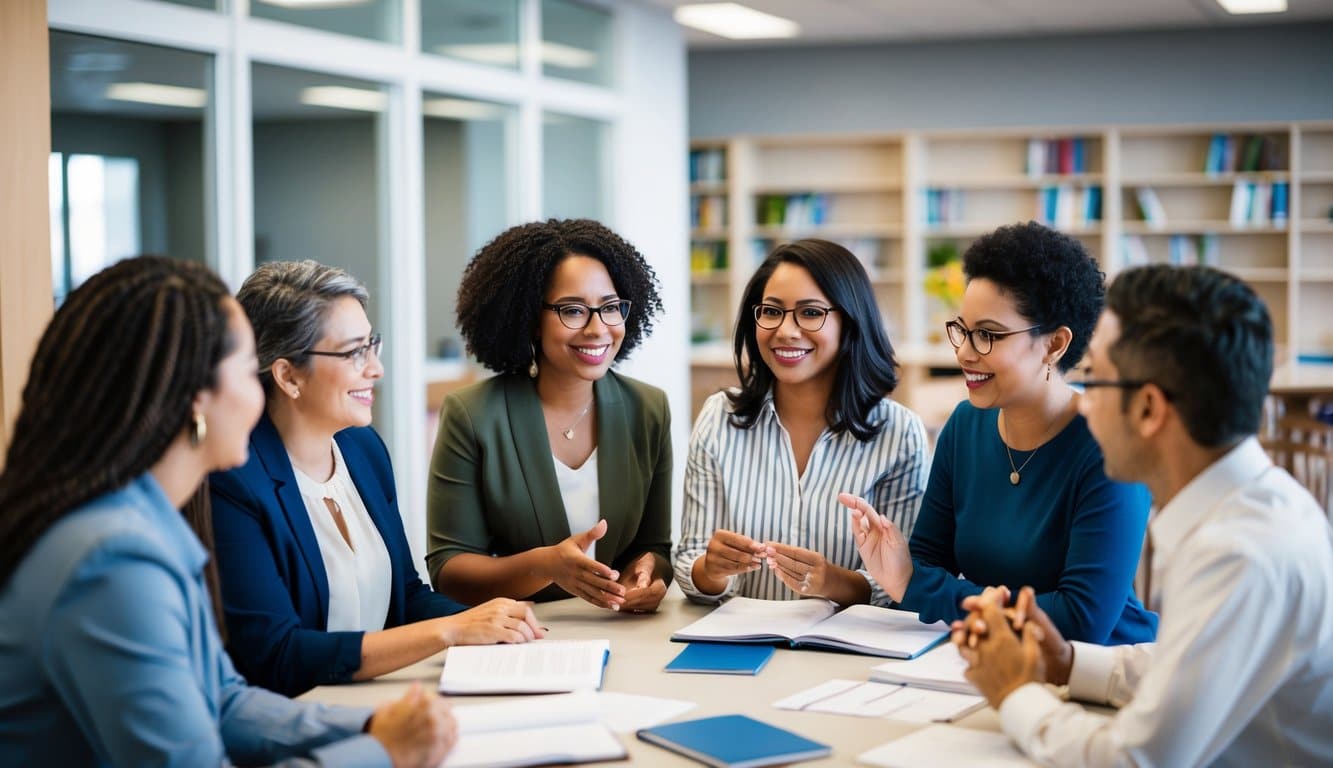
532	367
198	429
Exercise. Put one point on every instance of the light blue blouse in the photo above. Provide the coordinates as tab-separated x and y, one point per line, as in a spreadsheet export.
109	655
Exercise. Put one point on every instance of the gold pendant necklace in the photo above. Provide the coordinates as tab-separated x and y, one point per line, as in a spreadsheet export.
568	432
1016	472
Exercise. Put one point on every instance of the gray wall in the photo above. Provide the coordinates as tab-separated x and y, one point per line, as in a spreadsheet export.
1262	73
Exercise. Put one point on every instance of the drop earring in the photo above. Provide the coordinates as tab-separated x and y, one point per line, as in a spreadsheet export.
532	367
198	429
1048	371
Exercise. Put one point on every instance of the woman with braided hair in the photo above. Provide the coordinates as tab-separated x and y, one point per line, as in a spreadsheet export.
144	381
553	478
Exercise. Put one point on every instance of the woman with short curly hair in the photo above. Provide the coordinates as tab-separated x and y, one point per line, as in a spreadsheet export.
1017	492
553	478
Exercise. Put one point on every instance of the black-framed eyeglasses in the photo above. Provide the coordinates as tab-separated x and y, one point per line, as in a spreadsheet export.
359	356
576	315
1083	379
983	339
809	317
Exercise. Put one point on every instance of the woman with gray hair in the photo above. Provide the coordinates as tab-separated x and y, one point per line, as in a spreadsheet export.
317	579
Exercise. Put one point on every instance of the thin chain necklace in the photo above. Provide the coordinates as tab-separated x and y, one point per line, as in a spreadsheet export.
568	432
1016	472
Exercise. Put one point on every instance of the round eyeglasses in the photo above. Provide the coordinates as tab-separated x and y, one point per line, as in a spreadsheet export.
359	356
576	315
810	317
983	339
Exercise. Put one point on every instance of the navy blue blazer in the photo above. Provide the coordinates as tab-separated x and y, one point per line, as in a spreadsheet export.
275	590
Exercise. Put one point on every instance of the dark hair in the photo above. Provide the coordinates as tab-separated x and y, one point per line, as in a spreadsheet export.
504	286
866	367
111	385
1201	335
288	303
1052	278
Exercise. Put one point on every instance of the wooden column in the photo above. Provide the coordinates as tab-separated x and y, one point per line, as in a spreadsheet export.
25	236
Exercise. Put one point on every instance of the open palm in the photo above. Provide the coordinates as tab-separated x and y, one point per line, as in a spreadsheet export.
882	546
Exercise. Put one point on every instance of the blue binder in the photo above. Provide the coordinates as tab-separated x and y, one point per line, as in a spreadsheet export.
734	741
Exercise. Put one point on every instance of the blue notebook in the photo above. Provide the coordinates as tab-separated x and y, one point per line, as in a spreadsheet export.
734	741
722	658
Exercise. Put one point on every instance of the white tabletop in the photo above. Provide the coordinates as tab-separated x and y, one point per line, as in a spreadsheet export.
641	647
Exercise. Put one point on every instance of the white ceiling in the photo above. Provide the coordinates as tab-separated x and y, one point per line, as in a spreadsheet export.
863	21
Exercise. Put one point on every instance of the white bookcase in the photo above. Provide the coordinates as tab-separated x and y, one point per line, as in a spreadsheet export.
892	198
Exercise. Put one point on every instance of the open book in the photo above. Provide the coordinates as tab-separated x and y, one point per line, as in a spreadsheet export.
544	666
863	629
564	728
940	670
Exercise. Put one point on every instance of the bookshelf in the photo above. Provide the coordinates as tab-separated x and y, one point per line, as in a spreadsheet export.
1254	199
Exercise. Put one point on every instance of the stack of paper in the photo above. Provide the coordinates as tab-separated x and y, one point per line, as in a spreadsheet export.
546	666
940	670
536	731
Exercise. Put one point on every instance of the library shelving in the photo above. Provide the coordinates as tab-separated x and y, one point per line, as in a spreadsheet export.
1254	199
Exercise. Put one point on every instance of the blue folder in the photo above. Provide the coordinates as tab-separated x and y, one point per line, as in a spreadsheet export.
721	658
734	741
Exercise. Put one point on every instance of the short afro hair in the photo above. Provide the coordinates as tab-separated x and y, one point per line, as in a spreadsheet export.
504	286
1052	278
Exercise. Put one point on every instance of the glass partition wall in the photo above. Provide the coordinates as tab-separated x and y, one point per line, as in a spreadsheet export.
390	137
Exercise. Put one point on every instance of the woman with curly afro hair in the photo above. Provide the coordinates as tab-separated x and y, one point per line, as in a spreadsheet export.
553	478
1017	491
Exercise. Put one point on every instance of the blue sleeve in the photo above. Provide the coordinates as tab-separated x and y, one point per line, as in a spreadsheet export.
117	651
1105	538
264	629
935	591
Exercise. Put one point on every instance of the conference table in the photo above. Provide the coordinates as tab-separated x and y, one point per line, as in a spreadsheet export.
641	647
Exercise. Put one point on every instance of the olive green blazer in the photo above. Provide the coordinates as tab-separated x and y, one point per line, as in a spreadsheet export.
493	490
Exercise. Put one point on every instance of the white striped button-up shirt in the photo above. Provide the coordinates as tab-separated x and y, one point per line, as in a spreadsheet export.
745	480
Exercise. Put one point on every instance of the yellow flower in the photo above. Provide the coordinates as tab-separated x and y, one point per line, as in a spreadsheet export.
946	283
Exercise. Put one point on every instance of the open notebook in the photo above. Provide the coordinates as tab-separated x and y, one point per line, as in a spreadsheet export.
863	629
541	730
544	666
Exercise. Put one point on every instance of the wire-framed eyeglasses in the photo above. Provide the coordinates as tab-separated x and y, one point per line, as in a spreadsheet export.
809	317
360	355
576	315
983	339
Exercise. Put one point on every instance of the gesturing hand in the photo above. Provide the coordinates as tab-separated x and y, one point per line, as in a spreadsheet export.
495	621
417	730
572	570
644	589
882	546
804	571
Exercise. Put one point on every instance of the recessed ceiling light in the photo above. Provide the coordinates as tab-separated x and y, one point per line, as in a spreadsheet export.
460	109
161	95
1253	6
735	21
312	4
506	54
342	97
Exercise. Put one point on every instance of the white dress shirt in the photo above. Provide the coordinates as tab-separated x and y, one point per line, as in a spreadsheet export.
1242	670
361	575
745	480
581	496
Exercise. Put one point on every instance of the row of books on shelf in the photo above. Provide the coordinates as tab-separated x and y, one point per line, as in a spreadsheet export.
708	211
1066	206
943	206
708	165
1242	153
1057	156
708	258
793	211
1259	204
1182	250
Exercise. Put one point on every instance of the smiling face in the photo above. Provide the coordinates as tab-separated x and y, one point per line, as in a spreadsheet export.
1014	369
794	355
334	394
585	353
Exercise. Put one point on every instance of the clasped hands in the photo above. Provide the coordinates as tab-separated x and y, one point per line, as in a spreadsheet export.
1007	646
804	571
638	589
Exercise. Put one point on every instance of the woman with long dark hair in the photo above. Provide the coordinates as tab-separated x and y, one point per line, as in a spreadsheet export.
109	655
812	418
